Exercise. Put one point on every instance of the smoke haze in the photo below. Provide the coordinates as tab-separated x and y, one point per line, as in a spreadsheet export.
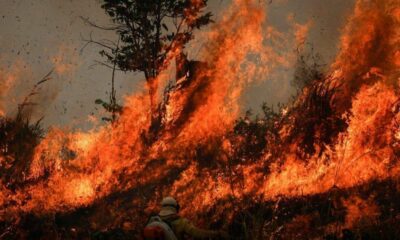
38	36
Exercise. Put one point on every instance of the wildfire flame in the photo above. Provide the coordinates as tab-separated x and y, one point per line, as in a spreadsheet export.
74	169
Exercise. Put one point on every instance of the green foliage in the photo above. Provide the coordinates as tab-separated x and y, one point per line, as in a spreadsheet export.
150	29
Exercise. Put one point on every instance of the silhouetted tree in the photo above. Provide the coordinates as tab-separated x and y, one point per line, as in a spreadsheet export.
112	107
149	30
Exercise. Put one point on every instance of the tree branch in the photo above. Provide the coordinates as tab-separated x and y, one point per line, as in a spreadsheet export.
92	24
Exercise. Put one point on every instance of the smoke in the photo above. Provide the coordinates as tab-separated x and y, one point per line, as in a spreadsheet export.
7	80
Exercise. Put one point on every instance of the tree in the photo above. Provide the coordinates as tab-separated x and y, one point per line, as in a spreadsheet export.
112	107
149	31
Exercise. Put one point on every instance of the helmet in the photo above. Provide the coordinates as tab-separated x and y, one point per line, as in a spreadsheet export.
169	206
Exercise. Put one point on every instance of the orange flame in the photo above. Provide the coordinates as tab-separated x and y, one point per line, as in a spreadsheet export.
84	167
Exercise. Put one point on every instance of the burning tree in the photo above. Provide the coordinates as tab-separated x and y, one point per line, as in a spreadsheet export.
150	33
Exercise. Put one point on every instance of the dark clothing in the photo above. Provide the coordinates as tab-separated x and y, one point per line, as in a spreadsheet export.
182	227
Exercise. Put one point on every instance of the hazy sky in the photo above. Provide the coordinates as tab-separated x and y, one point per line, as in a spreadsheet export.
36	35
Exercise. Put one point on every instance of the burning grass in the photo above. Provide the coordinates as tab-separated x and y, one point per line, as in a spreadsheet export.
325	166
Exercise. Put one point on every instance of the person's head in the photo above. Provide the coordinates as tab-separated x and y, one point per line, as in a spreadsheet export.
169	206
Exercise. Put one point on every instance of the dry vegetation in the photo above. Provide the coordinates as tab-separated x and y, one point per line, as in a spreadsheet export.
325	166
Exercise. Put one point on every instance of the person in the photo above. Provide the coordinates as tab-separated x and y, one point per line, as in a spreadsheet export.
183	227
